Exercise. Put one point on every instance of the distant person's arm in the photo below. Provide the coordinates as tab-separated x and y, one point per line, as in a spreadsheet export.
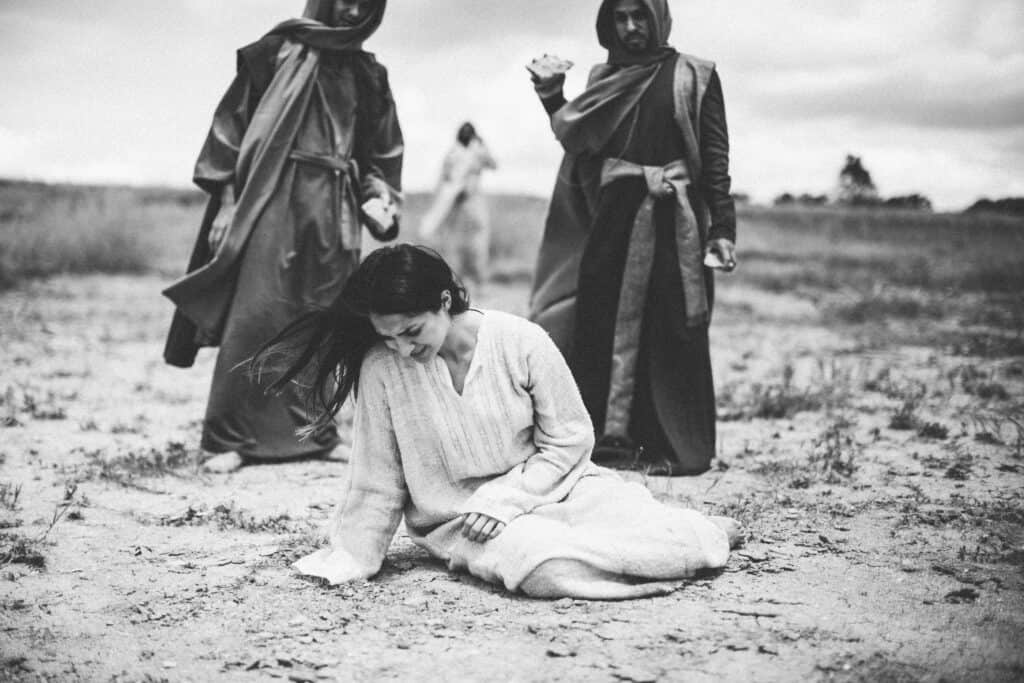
381	181
484	156
716	183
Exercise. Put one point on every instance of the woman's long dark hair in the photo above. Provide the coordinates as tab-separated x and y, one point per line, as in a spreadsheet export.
323	350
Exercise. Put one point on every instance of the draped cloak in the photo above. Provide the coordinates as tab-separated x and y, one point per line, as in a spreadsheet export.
628	221
306	133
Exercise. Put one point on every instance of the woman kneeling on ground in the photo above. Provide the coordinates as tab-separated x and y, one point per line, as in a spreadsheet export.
469	423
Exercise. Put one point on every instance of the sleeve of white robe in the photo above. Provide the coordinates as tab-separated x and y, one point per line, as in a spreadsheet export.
367	518
562	434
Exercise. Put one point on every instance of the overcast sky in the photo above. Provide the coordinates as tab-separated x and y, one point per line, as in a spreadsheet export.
930	93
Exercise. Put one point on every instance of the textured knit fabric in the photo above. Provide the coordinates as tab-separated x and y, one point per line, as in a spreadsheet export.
514	445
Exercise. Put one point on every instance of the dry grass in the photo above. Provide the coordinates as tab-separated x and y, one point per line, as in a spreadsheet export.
49	229
52	229
787	249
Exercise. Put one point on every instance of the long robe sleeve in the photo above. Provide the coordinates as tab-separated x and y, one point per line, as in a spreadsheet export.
382	176
563	437
365	522
714	152
215	166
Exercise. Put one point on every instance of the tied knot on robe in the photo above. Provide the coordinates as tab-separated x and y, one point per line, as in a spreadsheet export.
662	181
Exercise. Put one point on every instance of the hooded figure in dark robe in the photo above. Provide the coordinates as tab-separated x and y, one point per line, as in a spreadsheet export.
305	150
641	200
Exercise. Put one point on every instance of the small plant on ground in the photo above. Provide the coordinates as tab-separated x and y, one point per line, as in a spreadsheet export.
933	430
905	417
20	548
829	388
9	494
835	451
130	465
228	516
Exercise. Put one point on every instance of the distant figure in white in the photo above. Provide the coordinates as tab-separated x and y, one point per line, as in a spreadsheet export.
458	221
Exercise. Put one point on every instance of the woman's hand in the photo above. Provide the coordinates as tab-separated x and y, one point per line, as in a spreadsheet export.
478	527
222	221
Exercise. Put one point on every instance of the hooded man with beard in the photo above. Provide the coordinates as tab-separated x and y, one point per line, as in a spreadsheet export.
640	205
304	151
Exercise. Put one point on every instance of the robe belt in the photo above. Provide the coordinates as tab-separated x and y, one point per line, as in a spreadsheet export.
663	182
337	164
346	174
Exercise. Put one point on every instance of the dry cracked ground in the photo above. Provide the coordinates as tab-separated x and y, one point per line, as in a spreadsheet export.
876	466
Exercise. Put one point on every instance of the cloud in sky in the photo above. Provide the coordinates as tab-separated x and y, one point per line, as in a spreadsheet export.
929	92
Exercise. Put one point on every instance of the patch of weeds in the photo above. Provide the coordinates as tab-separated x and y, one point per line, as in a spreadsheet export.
990	390
882	382
978	383
999	428
961	469
835	451
19	548
933	430
43	409
89	425
784	399
129	465
230	517
9	494
905	417
988	345
747	507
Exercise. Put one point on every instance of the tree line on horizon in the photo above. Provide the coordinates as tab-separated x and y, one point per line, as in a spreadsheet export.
855	188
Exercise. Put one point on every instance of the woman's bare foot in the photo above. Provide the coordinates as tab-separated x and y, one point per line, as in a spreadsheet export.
223	463
732	529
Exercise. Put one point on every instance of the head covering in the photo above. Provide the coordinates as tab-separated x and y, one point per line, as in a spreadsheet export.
660	23
315	30
614	88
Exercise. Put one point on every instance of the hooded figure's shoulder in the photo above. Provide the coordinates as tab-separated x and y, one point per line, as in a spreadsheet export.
259	58
698	64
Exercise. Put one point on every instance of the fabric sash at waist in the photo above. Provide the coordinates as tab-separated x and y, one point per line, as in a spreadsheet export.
346	173
663	182
331	163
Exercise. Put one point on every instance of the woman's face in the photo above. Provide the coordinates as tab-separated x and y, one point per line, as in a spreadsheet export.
417	336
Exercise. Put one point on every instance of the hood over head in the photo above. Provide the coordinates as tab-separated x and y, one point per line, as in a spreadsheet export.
315	28
661	26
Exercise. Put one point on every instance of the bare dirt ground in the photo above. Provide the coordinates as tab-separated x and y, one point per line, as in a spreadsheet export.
878	472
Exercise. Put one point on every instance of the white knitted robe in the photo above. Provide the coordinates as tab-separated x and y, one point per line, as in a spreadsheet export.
515	445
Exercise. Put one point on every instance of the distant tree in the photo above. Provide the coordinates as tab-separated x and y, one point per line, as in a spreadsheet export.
812	199
855	185
1010	206
783	199
917	202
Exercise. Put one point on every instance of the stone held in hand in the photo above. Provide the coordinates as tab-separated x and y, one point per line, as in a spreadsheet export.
548	66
